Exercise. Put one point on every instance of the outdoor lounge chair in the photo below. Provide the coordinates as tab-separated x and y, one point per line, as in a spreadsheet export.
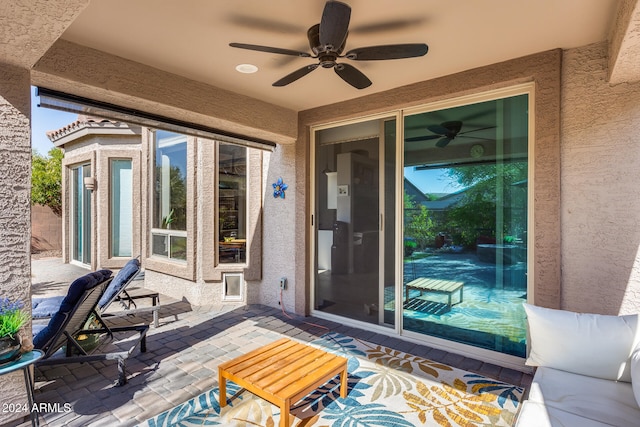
70	321
43	308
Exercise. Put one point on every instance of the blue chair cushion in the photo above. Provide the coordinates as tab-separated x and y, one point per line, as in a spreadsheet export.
76	290
121	279
45	307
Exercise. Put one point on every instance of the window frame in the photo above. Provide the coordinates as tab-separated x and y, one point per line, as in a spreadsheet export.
211	269
245	208
110	164
174	267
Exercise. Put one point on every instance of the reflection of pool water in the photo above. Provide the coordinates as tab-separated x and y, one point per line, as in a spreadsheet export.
488	317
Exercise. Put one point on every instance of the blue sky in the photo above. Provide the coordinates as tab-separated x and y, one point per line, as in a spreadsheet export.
43	120
431	180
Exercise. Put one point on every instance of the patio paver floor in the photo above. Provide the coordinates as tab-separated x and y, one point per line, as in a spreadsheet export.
182	359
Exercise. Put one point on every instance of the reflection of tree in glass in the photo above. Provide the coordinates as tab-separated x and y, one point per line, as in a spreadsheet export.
488	188
418	224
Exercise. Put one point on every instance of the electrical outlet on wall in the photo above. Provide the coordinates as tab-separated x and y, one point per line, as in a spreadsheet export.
283	283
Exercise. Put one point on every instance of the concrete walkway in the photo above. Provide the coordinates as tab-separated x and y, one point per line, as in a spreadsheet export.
182	359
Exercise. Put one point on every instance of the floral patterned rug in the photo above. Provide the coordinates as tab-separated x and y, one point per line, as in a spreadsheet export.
387	388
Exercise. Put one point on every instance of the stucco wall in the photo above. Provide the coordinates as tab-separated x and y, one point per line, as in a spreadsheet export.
15	218
600	159
280	240
46	229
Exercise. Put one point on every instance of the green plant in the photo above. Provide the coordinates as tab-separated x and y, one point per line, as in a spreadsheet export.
409	247
167	220
12	317
46	179
420	226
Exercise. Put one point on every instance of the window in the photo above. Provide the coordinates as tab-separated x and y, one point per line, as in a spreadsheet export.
121	205
81	214
169	218
232	203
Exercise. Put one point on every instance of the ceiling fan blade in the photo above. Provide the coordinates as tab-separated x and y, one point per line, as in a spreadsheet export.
474	137
476	130
352	75
443	142
440	130
334	24
392	51
422	138
290	78
269	49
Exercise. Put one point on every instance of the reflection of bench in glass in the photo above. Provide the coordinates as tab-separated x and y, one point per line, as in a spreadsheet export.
424	284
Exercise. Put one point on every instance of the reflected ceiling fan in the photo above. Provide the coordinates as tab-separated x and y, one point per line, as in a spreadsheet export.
327	41
447	132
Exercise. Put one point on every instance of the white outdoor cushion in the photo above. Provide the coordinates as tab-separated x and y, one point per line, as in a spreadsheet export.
588	344
534	414
635	374
604	401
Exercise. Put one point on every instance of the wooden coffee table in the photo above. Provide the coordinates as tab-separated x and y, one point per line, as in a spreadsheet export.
282	373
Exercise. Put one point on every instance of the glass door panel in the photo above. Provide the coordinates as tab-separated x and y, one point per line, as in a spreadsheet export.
465	224
350	279
81	215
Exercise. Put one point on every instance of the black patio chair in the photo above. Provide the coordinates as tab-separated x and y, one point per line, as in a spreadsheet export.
77	310
44	308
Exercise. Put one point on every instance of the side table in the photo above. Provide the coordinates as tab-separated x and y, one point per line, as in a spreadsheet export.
24	362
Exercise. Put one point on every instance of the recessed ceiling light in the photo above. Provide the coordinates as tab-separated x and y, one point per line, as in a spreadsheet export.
246	68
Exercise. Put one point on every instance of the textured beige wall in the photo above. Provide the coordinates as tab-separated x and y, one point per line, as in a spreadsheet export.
281	252
15	218
543	69
87	72
29	27
624	43
600	186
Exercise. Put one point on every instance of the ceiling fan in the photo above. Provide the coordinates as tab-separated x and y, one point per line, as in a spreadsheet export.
327	41
447	132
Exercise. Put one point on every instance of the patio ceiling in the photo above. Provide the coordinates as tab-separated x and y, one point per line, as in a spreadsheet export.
192	39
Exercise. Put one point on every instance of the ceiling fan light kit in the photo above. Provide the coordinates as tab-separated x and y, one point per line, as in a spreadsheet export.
327	41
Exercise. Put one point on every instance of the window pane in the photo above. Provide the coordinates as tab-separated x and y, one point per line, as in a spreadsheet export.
170	181
159	243
232	203
465	224
121	208
170	195
178	247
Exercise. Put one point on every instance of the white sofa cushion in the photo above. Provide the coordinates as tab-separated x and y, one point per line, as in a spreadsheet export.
635	373
534	414
604	401
589	344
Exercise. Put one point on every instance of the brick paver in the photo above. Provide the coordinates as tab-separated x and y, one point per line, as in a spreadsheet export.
182	359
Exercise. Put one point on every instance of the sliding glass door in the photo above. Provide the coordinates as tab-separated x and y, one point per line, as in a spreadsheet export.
354	217
465	223
428	235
